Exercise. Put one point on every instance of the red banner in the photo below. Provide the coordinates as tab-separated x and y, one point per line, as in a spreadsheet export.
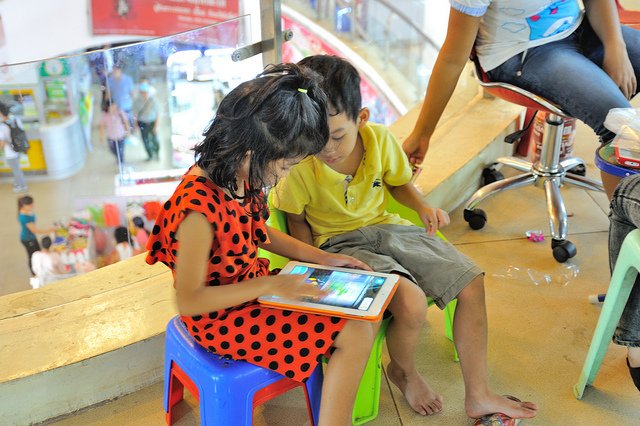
158	17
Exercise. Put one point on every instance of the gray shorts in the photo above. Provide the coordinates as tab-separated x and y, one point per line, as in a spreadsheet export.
435	265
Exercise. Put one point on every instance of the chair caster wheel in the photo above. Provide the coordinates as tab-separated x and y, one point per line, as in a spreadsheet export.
490	175
476	218
579	170
563	250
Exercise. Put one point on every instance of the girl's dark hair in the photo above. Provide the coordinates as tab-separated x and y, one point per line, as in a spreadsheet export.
341	82
281	114
26	200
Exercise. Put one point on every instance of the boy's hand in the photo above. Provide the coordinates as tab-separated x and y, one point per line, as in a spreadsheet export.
294	286
342	260
434	219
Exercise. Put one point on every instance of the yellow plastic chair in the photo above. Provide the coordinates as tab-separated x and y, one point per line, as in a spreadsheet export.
622	281
367	400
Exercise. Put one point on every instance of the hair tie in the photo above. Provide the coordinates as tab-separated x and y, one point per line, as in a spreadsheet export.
301	90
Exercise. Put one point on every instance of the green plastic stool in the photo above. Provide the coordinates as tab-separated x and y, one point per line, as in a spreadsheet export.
367	400
622	281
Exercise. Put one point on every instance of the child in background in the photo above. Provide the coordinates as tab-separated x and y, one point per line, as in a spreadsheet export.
142	235
114	125
210	230
125	248
337	201
47	265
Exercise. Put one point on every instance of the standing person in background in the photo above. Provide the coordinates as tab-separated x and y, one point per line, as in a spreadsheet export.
145	111
28	228
142	235
120	88
11	157
115	127
584	61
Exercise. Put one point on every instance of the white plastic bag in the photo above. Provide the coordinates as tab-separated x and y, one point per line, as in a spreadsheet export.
625	123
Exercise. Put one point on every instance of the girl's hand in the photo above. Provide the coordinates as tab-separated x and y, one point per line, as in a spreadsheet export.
618	66
342	260
293	286
433	219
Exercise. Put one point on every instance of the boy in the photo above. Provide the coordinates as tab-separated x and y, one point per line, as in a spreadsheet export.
336	201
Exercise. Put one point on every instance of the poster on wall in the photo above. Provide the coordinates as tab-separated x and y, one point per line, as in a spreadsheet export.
307	43
157	18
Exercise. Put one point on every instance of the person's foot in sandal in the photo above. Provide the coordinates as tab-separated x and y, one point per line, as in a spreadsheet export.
477	406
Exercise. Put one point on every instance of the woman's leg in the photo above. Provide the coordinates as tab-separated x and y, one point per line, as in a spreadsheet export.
31	246
409	309
344	371
560	72
625	217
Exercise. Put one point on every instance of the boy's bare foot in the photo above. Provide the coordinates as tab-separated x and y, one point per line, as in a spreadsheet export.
418	393
493	403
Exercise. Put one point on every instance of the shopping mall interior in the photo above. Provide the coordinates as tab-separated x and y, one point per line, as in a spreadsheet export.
87	347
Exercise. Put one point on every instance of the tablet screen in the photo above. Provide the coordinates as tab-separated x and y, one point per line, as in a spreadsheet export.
347	289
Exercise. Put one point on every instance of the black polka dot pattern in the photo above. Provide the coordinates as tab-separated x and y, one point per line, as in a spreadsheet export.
290	343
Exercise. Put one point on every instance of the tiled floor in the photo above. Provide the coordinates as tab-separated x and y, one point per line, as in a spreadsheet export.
540	326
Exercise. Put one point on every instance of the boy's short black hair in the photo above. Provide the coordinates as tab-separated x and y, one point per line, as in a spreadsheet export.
138	222
341	82
121	234
281	114
46	242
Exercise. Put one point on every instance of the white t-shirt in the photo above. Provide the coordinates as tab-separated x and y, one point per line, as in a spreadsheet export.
5	136
46	266
509	27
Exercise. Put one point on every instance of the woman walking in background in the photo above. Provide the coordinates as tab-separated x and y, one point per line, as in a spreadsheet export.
28	229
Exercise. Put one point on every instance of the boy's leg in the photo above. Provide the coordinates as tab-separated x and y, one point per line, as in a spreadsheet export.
409	309
344	371
470	336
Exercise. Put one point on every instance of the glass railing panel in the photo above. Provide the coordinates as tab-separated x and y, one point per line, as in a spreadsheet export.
111	133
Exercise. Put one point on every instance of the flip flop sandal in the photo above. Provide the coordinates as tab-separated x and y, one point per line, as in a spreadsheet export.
635	374
498	419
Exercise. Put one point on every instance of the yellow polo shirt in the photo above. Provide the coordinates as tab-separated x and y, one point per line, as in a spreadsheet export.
334	203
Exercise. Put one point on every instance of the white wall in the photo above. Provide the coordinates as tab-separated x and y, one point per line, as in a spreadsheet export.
38	29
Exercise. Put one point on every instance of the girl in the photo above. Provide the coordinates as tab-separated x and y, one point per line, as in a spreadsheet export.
115	126
210	230
28	229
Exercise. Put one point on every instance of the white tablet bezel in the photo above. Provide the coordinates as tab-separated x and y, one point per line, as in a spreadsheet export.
374	311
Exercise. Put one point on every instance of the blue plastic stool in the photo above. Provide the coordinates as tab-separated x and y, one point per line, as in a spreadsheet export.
622	281
227	390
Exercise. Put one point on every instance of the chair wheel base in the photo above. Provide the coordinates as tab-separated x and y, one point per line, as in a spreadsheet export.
563	250
476	218
490	175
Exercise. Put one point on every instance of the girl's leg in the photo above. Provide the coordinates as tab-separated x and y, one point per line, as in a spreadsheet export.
409	309
625	217
344	371
470	336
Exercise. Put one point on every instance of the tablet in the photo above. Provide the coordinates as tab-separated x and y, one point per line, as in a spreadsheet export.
354	293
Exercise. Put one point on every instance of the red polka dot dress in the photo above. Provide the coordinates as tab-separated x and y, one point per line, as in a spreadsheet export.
290	343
